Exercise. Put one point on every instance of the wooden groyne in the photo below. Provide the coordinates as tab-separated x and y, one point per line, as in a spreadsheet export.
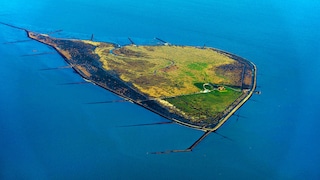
56	68
16	27
131	41
74	83
107	102
223	136
19	41
189	149
53	32
38	54
161	40
148	124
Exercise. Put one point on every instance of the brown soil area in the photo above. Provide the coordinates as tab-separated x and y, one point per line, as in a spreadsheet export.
232	72
128	53
146	82
83	70
247	81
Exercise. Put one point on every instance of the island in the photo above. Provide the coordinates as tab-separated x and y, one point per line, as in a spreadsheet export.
197	87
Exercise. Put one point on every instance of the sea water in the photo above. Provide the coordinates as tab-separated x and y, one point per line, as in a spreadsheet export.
48	131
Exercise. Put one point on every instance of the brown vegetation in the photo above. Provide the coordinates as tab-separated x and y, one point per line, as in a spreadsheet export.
232	72
83	70
128	53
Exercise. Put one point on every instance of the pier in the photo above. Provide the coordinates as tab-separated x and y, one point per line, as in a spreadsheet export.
199	140
189	149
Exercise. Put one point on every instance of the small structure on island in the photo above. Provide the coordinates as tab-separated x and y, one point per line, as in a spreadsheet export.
206	89
221	88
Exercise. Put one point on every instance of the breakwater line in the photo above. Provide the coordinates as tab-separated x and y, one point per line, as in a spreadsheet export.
148	124
19	41
189	149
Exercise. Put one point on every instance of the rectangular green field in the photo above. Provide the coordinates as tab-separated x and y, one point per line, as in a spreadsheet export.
204	105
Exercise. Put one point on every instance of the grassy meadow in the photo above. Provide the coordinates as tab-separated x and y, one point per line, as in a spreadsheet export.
164	71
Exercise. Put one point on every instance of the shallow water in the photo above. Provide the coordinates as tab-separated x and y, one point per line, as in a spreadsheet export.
49	132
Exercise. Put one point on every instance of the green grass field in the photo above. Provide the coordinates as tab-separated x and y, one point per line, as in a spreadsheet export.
204	105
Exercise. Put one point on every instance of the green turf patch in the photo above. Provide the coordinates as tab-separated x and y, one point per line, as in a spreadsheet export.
199	85
205	105
197	66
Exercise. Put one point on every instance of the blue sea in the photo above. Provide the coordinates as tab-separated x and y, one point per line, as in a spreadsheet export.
48	131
